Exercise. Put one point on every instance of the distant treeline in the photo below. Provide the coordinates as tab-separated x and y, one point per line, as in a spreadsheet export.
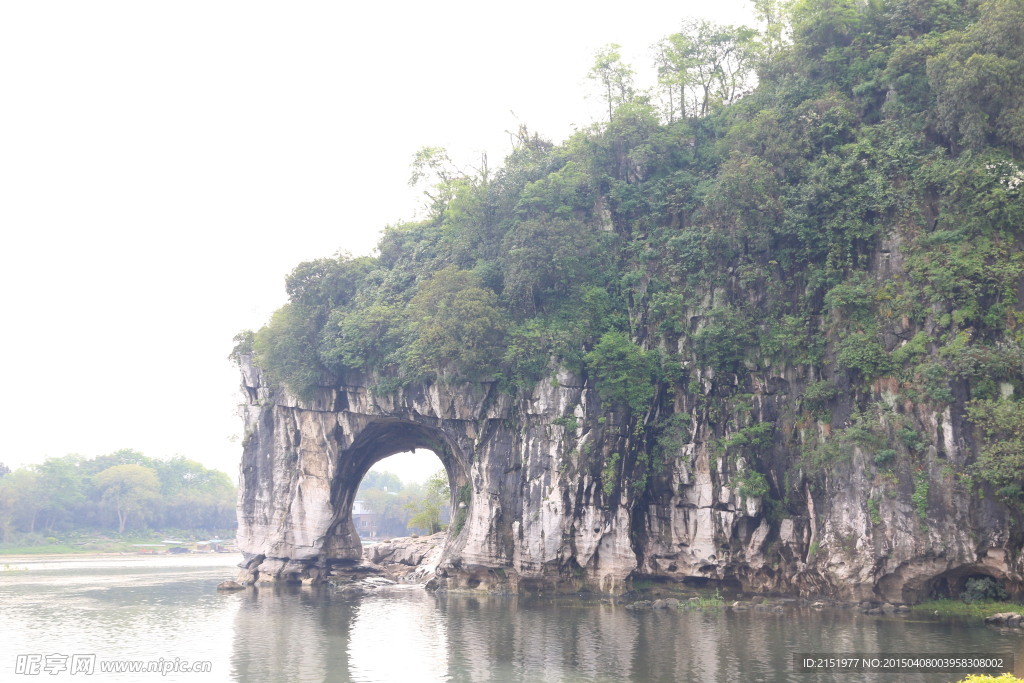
122	490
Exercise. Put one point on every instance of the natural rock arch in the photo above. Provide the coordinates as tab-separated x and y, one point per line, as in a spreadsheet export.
528	522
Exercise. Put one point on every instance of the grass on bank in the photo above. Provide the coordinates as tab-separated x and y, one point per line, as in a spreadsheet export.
47	549
72	545
86	542
688	599
705	602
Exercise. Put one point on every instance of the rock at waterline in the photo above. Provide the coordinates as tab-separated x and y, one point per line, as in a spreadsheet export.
230	586
1006	619
408	560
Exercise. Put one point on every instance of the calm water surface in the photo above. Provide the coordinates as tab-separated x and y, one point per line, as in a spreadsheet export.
147	608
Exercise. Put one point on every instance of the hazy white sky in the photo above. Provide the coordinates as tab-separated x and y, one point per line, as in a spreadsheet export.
163	166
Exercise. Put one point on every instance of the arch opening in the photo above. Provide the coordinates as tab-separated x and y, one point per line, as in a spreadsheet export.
375	443
402	494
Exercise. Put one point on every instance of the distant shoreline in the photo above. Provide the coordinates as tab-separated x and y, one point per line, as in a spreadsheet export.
18	558
85	553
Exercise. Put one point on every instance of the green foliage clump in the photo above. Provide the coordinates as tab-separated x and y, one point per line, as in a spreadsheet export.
824	454
986	367
885	457
286	348
911	438
725	341
1000	463
546	262
610	474
873	513
362	338
753	484
817	397
976	81
788	339
863	353
864	431
672	434
853	298
243	345
934	378
710	602
570	423
983	589
756	437
128	489
920	495
956	607
624	373
911	352
327	283
458	326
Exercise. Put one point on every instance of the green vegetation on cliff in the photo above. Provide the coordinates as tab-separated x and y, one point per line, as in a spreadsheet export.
851	223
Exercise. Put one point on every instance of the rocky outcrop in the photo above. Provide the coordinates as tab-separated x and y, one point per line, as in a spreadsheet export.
556	492
1012	619
230	586
411	552
408	560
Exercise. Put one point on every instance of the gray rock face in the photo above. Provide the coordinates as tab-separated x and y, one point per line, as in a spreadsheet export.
411	552
540	515
408	560
1012	619
533	513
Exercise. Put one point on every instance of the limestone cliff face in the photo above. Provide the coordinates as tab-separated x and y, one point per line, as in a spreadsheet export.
559	495
859	532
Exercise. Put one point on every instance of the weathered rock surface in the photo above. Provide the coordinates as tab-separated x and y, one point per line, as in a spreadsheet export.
528	468
409	551
1006	619
408	560
230	586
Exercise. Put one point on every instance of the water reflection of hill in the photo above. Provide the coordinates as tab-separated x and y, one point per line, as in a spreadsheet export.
410	634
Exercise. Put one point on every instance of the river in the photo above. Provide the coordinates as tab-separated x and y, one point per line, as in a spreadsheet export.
75	614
